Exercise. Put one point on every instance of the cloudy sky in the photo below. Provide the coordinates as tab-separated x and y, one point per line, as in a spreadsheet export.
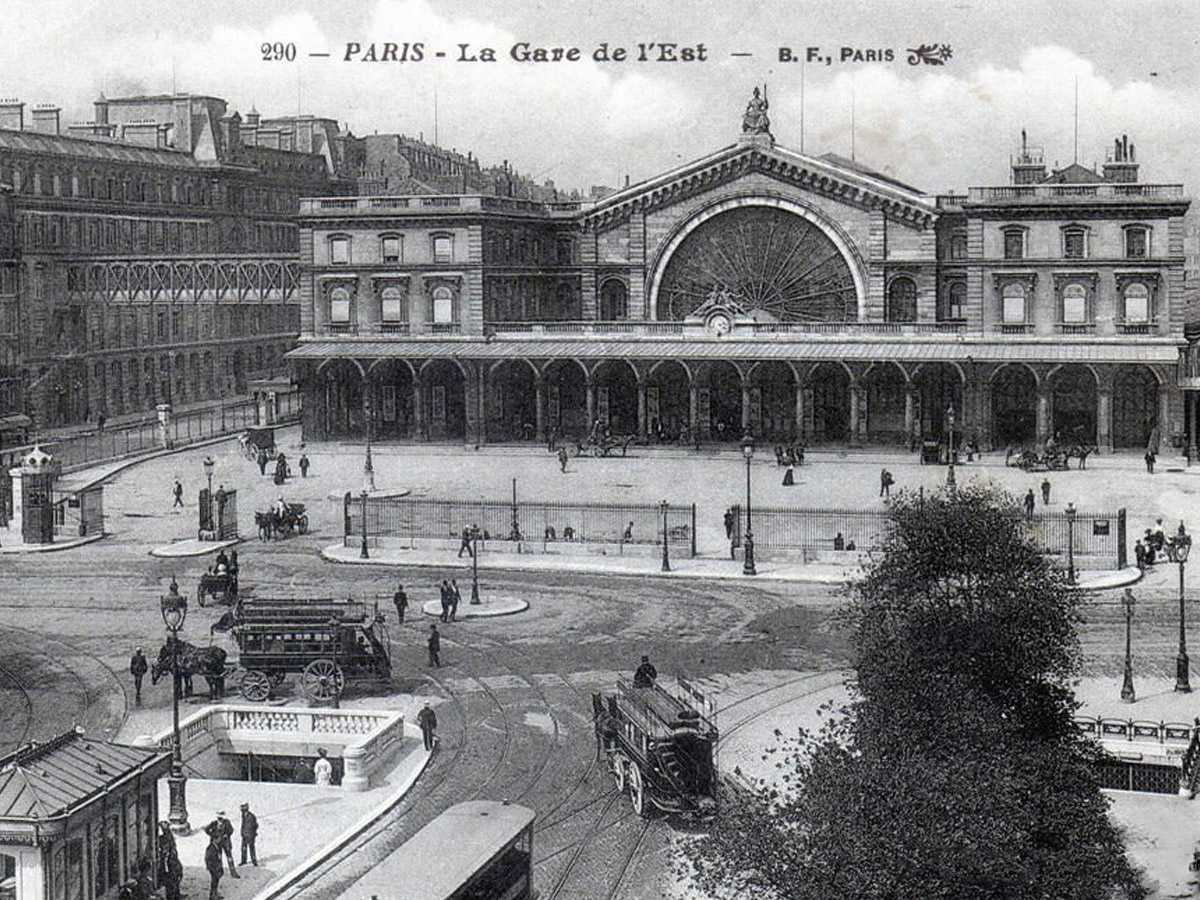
1014	64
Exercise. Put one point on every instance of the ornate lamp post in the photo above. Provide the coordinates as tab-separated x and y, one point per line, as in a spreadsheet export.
950	482
1177	549
475	565
334	631
368	465
748	452
363	552
1071	542
174	613
1127	692
207	522
666	556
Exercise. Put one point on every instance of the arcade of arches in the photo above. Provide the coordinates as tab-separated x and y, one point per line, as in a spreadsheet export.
715	400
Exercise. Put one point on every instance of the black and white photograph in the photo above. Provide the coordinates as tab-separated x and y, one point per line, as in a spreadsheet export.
599	451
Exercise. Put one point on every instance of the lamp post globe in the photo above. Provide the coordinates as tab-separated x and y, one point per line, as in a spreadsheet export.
748	567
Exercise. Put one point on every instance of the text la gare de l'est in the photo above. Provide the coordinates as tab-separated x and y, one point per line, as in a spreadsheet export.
524	51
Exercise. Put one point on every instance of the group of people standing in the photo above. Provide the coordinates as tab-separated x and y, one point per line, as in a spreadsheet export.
220	848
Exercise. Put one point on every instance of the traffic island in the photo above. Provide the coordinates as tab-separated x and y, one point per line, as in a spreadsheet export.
485	609
192	547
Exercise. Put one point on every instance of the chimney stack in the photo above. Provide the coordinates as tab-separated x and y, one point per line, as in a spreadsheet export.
12	114
46	118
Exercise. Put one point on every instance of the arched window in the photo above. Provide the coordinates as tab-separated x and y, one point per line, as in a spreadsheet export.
1074	304
614	301
1013	304
902	300
442	301
1136	304
339	306
956	304
392	307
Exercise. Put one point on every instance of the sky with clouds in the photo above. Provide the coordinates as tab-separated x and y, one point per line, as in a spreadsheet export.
1014	65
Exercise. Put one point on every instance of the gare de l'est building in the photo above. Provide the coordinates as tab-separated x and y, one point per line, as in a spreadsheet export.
755	289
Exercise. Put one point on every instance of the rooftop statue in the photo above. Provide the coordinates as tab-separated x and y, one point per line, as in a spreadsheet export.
755	120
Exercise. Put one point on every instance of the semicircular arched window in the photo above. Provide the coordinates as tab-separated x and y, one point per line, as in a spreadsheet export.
902	300
614	301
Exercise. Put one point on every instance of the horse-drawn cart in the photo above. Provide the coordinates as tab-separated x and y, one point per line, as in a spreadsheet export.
258	439
600	445
324	641
273	524
217	588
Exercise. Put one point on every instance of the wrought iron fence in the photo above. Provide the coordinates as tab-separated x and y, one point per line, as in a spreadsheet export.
413	518
785	528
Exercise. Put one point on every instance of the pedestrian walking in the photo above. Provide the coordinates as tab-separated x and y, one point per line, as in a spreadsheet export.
445	592
455	599
1151	459
1045	492
728	519
552	439
465	543
885	484
1030	503
225	830
304	464
137	668
435	646
178	492
427	719
400	599
100	420
212	862
262	461
170	869
562	459
322	769
627	535
249	835
789	476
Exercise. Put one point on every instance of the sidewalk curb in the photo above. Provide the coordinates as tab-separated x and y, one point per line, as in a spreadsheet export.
433	608
54	547
167	551
289	879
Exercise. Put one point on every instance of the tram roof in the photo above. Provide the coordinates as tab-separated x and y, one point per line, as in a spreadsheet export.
439	858
1145	351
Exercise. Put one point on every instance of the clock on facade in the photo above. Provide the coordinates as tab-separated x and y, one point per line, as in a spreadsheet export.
719	323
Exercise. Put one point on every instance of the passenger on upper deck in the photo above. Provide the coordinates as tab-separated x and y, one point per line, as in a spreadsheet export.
645	674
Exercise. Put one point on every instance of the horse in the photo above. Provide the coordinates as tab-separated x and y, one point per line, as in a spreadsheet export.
267	524
207	662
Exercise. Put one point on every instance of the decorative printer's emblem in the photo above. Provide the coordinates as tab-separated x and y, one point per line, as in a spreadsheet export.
930	54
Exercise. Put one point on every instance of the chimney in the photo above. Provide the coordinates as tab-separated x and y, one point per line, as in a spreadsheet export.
46	119
92	130
141	131
12	114
1029	165
1120	165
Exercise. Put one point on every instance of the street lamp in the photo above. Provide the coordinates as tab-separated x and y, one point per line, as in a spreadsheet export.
174	613
209	465
1071	542
748	452
334	632
666	556
475	565
1177	549
364	553
1127	692
950	482
368	465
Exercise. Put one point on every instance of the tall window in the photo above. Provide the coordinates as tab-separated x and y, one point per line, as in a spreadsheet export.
392	305
339	251
1137	243
1074	243
390	248
902	300
1013	298
613	301
1014	243
339	306
443	248
1074	304
443	305
958	245
1136	303
956	301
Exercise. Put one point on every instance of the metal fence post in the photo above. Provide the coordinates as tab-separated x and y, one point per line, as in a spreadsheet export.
1122	550
693	530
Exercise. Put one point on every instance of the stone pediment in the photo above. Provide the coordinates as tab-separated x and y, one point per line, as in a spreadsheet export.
828	176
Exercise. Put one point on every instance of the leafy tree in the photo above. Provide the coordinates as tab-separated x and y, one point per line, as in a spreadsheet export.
955	771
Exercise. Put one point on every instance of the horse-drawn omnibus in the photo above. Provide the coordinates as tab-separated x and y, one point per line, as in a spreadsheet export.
324	641
660	746
478	850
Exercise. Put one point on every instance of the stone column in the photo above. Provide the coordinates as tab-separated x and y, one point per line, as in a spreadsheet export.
910	413
418	411
800	435
747	422
1164	414
1189	405
1104	438
1044	414
853	393
641	412
694	412
539	408
590	386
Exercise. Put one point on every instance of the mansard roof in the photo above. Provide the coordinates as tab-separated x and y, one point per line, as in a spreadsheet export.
851	182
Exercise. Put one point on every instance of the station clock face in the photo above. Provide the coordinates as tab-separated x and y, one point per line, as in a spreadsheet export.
719	324
769	260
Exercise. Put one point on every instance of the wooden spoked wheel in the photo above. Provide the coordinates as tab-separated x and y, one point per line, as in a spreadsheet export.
637	790
322	680
256	685
619	764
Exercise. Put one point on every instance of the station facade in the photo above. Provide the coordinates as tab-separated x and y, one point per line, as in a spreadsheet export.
754	290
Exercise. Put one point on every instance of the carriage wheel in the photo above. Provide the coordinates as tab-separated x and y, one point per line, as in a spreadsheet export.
619	763
322	680
256	685
302	522
637	790
574	448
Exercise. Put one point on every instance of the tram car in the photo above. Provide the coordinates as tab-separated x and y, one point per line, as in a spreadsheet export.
660	747
324	641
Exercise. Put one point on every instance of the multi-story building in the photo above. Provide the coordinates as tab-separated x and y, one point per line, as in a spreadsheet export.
756	289
13	420
157	250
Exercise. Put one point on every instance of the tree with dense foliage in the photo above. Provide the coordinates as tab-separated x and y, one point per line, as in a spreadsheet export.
955	771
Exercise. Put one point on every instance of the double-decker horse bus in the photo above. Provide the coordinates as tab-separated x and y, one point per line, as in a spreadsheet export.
479	850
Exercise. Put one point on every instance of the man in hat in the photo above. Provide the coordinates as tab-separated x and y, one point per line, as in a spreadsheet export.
400	598
137	668
435	646
178	492
170	869
249	833
645	674
427	719
225	832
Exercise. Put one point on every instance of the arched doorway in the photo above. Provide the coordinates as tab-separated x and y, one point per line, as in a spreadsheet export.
939	387
885	386
1135	406
566	398
443	398
668	401
719	398
1014	406
343	399
1074	404
830	386
616	396
773	402
393	400
511	402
